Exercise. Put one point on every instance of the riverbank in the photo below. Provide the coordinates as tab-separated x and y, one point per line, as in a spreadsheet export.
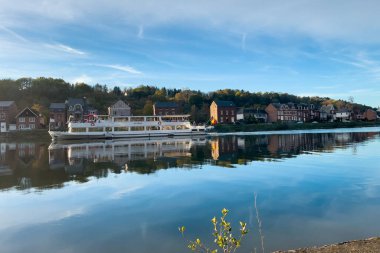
290	126
371	245
27	135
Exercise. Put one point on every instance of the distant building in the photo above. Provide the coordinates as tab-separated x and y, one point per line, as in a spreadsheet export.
120	108
76	108
291	112
8	111
250	114
57	115
223	111
27	119
166	108
327	113
370	115
343	115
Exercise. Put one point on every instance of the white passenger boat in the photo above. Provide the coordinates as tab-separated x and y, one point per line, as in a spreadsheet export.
105	127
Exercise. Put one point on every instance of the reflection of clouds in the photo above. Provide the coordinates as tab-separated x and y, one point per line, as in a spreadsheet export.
123	192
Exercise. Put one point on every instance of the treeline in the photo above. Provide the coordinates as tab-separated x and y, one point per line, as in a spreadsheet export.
38	93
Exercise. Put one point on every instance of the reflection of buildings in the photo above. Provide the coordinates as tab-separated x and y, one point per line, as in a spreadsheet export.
32	165
223	148
77	156
229	150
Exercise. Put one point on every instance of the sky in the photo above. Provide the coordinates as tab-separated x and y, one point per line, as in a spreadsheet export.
307	48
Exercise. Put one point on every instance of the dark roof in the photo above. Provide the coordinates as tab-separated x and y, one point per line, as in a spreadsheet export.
165	104
27	108
75	101
57	106
6	103
223	103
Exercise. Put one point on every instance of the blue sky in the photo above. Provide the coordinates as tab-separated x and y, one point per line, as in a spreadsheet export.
324	48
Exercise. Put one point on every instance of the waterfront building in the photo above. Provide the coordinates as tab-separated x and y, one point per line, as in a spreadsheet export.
166	108
223	111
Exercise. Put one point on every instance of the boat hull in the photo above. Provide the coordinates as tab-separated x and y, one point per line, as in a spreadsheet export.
56	135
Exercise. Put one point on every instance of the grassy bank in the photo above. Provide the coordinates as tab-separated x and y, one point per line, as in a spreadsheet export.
37	135
290	126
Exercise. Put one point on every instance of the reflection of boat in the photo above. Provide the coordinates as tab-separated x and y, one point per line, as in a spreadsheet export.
123	150
129	126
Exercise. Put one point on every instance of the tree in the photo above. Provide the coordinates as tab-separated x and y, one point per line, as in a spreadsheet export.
148	108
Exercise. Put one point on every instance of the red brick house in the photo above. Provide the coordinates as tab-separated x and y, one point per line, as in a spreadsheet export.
291	112
8	111
57	115
166	108
370	115
223	111
27	119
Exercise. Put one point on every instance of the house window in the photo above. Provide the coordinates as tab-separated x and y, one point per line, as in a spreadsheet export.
21	126
2	116
232	112
221	112
21	119
32	119
32	126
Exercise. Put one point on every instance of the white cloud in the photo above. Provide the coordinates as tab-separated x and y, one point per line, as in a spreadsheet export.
126	68
65	48
82	79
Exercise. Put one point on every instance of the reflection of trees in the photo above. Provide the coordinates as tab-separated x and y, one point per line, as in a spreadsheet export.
229	150
32	165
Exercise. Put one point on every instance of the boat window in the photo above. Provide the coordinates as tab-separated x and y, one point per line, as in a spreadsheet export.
137	128
152	128
168	128
108	129
121	129
120	119
95	129
78	129
137	118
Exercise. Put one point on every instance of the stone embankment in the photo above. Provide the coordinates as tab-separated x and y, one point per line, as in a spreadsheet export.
371	245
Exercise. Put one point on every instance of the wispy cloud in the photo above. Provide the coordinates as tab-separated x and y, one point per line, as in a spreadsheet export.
65	48
124	68
13	33
362	61
140	33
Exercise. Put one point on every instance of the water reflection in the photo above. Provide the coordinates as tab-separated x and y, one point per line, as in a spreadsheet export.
44	166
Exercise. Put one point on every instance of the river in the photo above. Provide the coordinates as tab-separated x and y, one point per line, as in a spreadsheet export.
311	188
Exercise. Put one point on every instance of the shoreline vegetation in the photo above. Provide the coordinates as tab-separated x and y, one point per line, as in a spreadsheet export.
291	126
42	135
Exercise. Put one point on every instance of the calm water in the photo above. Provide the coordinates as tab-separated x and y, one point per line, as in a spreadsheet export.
130	196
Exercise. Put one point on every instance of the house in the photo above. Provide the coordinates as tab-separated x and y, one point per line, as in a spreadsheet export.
370	115
327	112
250	114
343	115
120	108
76	109
240	114
291	112
358	115
165	108
27	119
8	111
57	115
223	111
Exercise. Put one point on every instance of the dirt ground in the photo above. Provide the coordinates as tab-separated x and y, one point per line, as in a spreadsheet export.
371	245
